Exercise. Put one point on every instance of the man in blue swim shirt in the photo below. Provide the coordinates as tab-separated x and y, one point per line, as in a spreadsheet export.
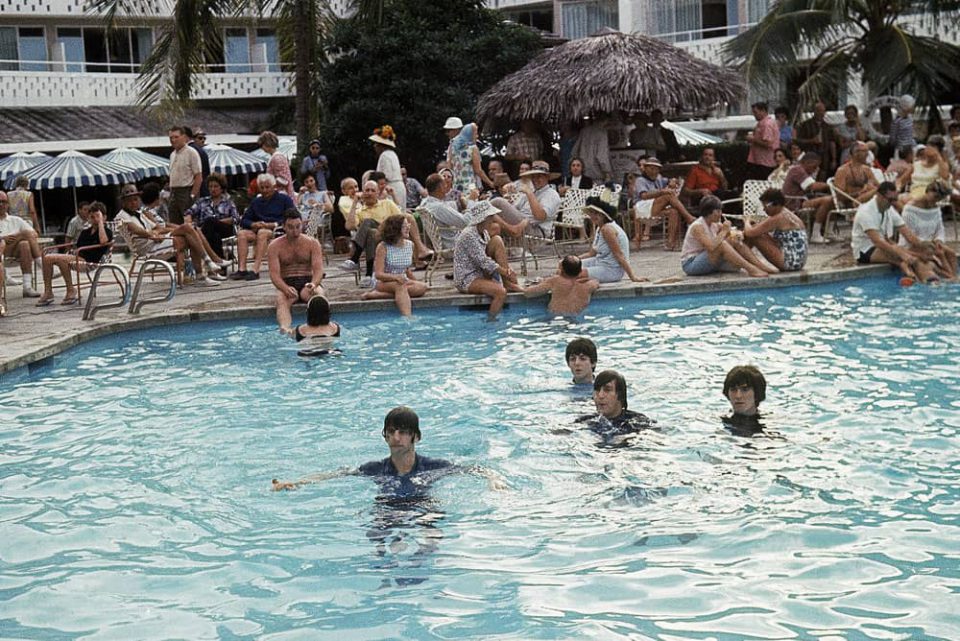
404	473
613	421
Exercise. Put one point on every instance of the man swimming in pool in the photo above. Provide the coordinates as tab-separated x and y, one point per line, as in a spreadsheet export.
745	388
581	355
404	474
569	290
296	267
613	421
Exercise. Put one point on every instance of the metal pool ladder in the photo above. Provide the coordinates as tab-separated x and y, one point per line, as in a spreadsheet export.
135	302
92	307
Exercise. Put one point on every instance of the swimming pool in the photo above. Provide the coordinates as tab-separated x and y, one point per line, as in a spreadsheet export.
135	498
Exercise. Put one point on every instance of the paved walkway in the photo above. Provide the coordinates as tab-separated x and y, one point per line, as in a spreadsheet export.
31	334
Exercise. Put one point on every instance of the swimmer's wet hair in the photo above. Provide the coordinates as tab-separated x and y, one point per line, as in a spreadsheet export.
746	375
608	375
402	418
571	265
292	214
318	311
582	347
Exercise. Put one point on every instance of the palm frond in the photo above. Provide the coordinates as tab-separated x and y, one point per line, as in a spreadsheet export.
923	65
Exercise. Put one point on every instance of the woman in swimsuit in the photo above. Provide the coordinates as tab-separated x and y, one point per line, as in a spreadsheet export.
781	237
393	266
318	322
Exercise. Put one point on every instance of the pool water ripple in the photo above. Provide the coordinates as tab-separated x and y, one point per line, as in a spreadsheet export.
135	474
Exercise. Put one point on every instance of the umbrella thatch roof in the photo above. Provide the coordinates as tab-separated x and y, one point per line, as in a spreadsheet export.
606	73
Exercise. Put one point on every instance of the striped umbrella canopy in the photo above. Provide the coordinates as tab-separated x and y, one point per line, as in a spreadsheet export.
229	161
288	147
76	169
20	162
687	136
146	165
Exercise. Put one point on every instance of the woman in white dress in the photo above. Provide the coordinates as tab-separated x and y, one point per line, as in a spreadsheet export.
384	143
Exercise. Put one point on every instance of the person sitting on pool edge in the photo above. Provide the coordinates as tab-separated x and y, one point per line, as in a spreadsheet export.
295	262
404	473
745	388
581	355
613	421
569	288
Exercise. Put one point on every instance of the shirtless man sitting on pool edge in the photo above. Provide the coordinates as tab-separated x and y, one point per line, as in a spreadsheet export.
296	267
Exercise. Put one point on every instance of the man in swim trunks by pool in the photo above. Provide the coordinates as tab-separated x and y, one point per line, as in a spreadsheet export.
569	290
873	228
404	474
581	355
296	267
613	421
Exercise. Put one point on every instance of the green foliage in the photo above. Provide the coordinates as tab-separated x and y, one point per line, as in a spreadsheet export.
426	60
832	37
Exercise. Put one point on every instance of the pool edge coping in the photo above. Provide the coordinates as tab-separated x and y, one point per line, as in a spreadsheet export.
88	332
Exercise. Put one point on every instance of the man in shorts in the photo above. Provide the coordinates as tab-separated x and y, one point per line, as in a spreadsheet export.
296	267
873	228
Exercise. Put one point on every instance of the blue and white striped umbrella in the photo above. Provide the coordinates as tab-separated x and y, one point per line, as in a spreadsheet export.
20	162
76	169
229	161
288	147
146	165
687	136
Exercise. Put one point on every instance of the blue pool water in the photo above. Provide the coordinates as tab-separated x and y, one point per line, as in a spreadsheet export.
135	476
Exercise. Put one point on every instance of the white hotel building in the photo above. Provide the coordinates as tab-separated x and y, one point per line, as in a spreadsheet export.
61	79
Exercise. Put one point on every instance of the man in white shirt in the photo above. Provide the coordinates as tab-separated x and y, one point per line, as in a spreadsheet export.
447	215
873	228
19	240
539	201
186	174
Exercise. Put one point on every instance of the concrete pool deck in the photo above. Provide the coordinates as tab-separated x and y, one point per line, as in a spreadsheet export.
30	334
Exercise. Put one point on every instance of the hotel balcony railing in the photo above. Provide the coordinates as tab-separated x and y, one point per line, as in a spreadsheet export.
68	84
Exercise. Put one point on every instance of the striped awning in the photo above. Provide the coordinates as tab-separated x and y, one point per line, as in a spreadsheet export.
146	165
229	161
687	136
288	147
75	169
19	163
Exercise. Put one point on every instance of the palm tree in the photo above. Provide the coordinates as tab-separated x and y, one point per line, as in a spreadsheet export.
831	38
193	38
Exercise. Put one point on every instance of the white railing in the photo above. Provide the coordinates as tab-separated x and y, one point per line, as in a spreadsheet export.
122	68
64	89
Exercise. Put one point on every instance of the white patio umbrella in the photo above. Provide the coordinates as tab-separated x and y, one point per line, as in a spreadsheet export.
18	163
229	161
146	165
288	147
74	169
687	136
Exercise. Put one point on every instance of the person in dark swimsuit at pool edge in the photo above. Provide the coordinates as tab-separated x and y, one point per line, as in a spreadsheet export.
319	331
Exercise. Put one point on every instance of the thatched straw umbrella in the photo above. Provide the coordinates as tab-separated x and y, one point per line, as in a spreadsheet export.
606	73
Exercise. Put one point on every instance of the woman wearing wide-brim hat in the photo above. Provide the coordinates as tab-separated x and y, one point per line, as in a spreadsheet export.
385	144
608	259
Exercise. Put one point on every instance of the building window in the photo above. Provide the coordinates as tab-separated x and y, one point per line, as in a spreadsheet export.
756	10
581	19
268	38
33	49
70	41
8	49
236	51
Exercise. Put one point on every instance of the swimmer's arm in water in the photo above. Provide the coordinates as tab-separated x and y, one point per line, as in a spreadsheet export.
315	478
542	287
495	481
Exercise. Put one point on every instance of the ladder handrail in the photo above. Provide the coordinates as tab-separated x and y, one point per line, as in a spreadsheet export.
92	307
135	303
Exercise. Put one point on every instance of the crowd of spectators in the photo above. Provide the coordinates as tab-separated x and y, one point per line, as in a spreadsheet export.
485	209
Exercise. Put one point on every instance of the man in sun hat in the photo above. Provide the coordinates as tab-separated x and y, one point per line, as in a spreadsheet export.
463	156
656	197
539	201
480	259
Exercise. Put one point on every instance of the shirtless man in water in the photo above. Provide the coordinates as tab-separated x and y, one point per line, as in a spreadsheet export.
569	290
296	267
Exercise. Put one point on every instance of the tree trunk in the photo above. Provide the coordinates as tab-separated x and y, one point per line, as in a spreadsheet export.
302	57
